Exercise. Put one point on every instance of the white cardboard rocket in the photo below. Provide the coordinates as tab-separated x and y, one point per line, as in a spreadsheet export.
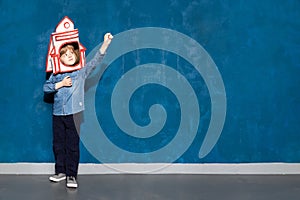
64	34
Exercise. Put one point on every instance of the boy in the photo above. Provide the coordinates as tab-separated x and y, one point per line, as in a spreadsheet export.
67	107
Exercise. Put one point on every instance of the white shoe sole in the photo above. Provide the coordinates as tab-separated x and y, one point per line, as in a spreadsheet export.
57	179
72	185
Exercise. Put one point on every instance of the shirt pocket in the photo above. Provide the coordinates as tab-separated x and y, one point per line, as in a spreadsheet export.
74	76
58	78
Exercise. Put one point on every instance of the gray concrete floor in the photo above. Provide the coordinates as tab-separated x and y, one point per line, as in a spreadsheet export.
162	187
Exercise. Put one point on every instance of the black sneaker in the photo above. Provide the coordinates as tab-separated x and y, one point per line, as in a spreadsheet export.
71	182
57	177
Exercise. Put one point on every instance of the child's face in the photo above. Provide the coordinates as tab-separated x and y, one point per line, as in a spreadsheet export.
68	58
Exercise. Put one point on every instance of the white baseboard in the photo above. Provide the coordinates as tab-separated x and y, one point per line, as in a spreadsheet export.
160	168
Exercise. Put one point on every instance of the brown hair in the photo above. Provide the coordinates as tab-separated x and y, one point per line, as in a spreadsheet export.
71	48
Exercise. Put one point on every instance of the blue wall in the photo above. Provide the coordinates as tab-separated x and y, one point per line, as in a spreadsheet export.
255	45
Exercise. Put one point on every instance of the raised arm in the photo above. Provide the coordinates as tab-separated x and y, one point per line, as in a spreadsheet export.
90	66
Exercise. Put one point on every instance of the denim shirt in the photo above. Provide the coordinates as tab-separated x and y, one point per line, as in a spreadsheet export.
70	100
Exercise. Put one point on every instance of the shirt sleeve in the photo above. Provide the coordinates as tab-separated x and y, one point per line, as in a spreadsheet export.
91	65
49	85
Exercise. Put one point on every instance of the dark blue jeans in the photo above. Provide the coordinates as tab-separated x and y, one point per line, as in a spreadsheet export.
66	143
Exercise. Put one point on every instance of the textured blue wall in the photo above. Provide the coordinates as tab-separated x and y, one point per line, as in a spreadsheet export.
255	44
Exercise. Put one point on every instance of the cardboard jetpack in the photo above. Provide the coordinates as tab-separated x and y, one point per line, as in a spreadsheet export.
64	34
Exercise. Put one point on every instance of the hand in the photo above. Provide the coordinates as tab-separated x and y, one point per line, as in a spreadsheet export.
107	40
67	81
108	37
